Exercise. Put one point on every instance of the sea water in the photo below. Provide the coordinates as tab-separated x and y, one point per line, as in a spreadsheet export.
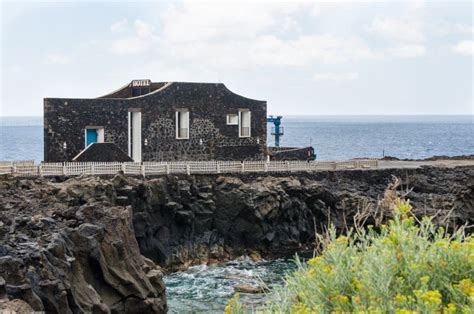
333	137
207	289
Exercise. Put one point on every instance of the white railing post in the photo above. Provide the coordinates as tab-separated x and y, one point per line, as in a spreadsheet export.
188	169
218	167
13	169
142	170
265	166
40	170
64	169
242	169
122	166
288	165
167	167
92	169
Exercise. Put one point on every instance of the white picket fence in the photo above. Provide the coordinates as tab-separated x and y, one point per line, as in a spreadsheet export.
27	168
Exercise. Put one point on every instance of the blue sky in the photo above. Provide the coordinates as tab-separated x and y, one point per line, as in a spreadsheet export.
303	57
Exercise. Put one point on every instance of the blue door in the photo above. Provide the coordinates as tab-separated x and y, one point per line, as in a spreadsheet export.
91	136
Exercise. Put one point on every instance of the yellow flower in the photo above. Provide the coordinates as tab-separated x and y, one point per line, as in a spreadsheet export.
342	240
451	308
403	207
315	261
342	299
466	286
425	279
311	272
432	297
455	245
227	309
327	269
400	298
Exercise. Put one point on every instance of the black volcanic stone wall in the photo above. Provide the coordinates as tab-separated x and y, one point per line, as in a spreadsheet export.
208	105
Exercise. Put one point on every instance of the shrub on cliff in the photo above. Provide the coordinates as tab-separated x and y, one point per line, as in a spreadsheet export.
405	267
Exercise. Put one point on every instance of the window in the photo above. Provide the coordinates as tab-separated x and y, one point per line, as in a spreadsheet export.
94	134
139	91
232	119
244	123
182	124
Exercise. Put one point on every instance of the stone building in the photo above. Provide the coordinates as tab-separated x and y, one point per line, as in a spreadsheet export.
151	121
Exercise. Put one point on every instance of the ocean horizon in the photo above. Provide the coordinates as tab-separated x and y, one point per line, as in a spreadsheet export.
333	137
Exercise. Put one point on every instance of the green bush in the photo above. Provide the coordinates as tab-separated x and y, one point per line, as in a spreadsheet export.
403	267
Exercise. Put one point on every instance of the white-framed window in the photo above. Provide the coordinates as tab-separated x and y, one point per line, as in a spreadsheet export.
182	124
232	119
244	123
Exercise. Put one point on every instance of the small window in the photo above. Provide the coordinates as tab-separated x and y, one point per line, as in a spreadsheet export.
182	124
94	134
232	119
244	123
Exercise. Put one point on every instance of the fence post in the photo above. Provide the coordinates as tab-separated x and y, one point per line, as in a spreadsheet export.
64	168
218	167
242	167
288	165
142	169
167	166
265	166
14	169
188	169
92	169
40	170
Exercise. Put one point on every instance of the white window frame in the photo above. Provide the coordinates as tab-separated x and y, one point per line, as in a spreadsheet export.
232	115
179	112
240	123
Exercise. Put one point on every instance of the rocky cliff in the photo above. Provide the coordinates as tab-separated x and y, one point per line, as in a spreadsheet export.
74	245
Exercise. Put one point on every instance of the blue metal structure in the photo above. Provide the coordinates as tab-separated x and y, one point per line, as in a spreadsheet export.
277	130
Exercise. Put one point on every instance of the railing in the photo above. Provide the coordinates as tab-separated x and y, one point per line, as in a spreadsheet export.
28	168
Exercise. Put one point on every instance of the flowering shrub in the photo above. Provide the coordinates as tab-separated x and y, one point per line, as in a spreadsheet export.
404	267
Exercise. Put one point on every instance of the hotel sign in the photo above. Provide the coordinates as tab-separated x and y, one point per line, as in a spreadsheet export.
141	83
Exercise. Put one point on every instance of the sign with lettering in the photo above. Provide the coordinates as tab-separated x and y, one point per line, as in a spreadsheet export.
140	83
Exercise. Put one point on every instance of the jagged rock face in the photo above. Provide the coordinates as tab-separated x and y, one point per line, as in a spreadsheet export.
201	219
75	246
65	249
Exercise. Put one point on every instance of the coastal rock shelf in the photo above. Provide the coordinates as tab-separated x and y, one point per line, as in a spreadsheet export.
76	244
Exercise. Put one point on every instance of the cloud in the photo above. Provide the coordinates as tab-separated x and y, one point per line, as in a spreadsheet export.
465	47
141	41
333	76
119	26
408	51
251	34
58	58
396	29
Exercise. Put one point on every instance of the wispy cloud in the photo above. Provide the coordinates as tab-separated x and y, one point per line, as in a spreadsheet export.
58	58
408	51
141	41
465	47
119	26
396	29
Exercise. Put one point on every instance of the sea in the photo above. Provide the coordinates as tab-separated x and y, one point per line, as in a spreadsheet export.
207	289
333	137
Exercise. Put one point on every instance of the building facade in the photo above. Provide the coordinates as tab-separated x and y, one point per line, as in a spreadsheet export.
159	122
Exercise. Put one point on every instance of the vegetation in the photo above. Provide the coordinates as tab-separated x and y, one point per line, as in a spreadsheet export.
405	266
